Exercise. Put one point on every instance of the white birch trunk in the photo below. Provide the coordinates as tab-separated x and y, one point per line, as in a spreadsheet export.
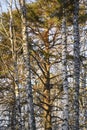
15	75
26	53
65	125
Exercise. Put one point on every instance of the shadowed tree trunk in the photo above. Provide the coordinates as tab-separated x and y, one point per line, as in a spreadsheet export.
65	125
85	72
76	65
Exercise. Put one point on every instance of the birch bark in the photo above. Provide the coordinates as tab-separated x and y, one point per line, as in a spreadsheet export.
26	53
65	125
15	75
76	64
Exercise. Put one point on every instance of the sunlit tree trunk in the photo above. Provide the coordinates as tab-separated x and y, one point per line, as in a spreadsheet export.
13	115
47	105
15	74
47	88
76	65
65	125
26	53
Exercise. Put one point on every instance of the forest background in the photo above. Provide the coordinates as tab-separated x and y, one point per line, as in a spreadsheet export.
43	59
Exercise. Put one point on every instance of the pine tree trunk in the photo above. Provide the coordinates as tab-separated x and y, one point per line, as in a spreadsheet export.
26	53
76	65
65	125
47	100
47	106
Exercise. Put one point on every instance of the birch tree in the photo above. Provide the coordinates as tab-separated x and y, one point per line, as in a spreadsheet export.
26	53
15	73
65	125
76	64
85	68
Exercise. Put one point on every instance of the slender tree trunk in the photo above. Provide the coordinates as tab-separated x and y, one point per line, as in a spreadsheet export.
65	125
19	117
85	107
76	65
15	75
13	115
84	97
85	71
26	53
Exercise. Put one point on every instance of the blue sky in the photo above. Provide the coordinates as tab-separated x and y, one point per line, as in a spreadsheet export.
5	5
